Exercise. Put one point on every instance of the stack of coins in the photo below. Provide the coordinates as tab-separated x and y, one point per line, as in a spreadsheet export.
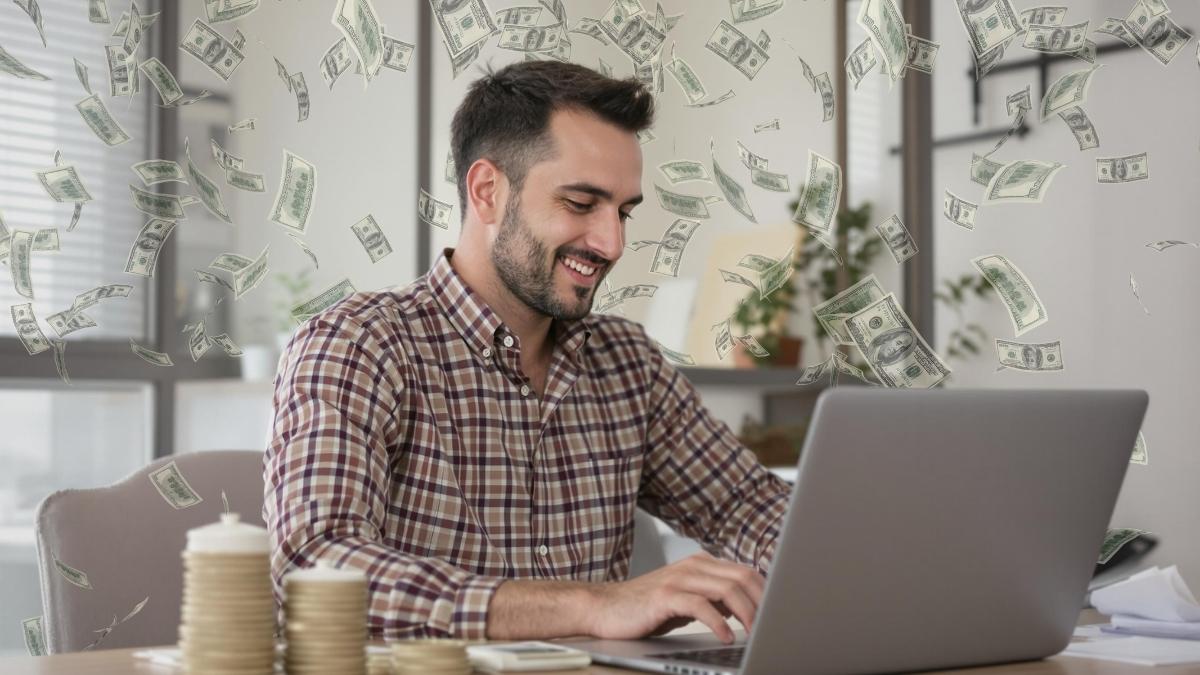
325	622
430	657
228	615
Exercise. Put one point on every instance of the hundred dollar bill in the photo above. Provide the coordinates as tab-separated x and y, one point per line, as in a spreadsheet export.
173	487
322	301
34	11
529	38
884	24
645	136
756	262
723	341
143	256
844	367
832	313
155	171
300	88
227	344
21	244
614	298
77	577
81	72
35	636
736	49
748	10
860	62
136	609
122	25
250	276
772	124
1141	454
1117	29
212	49
688	206
1025	308
774	277
1043	16
959	211
163	81
209	193
590	28
828	102
733	191
897	238
1123	169
989	24
397	54
43	240
371	236
98	11
60	360
1160	246
769	180
247	124
337	60
198	342
432	211
245	180
893	348
719	99
459	64
752	345
101	122
150	356
922	54
12	66
1056	39
734	277
1038	357
1069	90
91	297
68	321
31	335
1018	102
1081	125
230	262
282	72
228	10
1142	16
224	158
687	78
297	188
983	169
1022	181
210	278
518	16
682	170
464	24
749	159
676	357
121	76
670	250
1115	540
63	184
820	198
358	21
987	62
817	371
450	171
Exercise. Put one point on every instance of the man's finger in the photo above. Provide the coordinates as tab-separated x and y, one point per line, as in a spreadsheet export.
747	577
703	611
723	593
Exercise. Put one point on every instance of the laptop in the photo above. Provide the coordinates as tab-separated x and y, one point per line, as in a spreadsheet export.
927	529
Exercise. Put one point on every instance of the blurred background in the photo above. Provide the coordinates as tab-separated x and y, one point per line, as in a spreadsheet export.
375	146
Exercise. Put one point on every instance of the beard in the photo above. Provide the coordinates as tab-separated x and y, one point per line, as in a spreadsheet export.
527	270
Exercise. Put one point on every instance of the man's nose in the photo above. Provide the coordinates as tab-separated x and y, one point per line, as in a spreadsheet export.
607	238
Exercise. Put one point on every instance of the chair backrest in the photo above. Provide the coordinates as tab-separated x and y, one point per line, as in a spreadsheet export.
128	541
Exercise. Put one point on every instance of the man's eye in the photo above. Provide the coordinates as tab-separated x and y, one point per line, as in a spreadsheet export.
626	216
577	205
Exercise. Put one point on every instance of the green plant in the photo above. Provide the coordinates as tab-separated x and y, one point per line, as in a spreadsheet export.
296	288
958	292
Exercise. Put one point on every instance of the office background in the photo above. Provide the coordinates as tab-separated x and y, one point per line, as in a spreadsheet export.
375	147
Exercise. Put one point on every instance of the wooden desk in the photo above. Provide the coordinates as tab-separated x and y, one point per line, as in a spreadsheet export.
121	662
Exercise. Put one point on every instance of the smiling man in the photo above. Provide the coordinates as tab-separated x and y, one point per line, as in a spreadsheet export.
477	441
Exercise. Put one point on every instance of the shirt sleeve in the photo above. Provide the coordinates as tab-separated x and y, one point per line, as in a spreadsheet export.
701	480
327	480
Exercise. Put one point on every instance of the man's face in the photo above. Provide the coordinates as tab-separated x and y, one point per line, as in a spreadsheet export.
566	229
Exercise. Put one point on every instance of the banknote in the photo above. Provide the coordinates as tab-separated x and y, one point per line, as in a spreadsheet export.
841	366
247	124
143	256
518	16
861	62
34	11
122	78
223	157
1133	286
756	262
19	263
987	62
723	342
734	193
464	24
35	636
1069	90
614	298
159	206
1022	181
198	342
338	59
1123	169
163	81
752	345
591	28
11	65
294	198
100	121
66	322
774	277
210	278
359	23
1117	29
432	211
688	206
245	180
1115	540
150	356
93	296
1169	243
322	301
989	24
227	345
676	357
31	335
736	49
688	79
828	102
98	11
63	184
1055	39
1037	357
897	238
1164	40
751	160
230	262
76	577
884	24
959	211
894	350
305	248
300	88
714	101
812	374
1142	15
734	277
1081	126
228	10
772	124
81	72
529	38
155	171
749	10
922	54
983	169
832	313
371	236
818	204
769	180
670	250
1141	452
250	276
683	170
212	49
1025	308
1043	16
173	487
209	193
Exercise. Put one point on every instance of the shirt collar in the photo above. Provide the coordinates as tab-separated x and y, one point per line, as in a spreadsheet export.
477	323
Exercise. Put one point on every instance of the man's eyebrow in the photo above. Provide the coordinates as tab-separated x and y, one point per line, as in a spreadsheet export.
598	191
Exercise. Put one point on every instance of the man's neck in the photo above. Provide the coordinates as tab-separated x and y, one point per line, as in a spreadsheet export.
531	328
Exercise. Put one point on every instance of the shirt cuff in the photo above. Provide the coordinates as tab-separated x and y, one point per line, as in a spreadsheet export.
464	616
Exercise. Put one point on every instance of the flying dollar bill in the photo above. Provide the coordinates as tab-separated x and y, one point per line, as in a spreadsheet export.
159	206
11	65
1115	540
210	194
893	348
162	80
688	206
228	10
818	204
150	356
734	193
432	211
155	171
322	301
897	238
35	636
884	24
1025	308
143	256
1081	126
30	334
683	170
173	487
816	372
736	49
989	24
983	169
359	23
1141	452
294	198
1022	181
861	62
250	276
212	49
100	121
19	263
371	236
610	300
678	358
1123	169
723	341
1161	246
76	577
832	313
1038	357
63	184
922	54
959	211
687	78
1069	90
1056	39
670	248
464	25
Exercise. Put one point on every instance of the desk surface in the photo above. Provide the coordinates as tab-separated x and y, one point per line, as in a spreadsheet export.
121	662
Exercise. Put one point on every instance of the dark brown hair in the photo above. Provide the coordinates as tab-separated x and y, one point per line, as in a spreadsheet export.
505	115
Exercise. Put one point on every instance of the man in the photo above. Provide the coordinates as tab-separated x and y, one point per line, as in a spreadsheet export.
477	443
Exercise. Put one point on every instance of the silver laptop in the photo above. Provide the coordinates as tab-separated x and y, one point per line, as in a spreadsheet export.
927	529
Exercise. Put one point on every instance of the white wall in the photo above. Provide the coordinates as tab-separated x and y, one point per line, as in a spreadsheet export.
1081	244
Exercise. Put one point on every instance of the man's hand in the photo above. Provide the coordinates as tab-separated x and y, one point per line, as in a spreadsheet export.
697	588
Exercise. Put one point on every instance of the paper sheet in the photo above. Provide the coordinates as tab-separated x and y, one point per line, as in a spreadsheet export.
1090	642
1159	594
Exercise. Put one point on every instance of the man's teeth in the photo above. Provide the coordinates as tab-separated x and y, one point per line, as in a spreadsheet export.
579	267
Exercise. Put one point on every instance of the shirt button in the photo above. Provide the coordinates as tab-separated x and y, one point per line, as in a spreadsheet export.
508	340
525	392
487	352
543	550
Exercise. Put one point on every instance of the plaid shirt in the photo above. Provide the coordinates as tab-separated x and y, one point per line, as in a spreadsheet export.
408	444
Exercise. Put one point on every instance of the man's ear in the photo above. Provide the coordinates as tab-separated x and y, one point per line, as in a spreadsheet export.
487	192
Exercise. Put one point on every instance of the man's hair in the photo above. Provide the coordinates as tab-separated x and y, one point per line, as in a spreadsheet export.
505	115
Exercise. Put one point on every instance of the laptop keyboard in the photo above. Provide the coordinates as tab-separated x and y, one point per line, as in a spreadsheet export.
723	656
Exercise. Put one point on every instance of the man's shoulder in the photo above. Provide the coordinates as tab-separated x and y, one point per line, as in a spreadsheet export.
616	334
386	310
